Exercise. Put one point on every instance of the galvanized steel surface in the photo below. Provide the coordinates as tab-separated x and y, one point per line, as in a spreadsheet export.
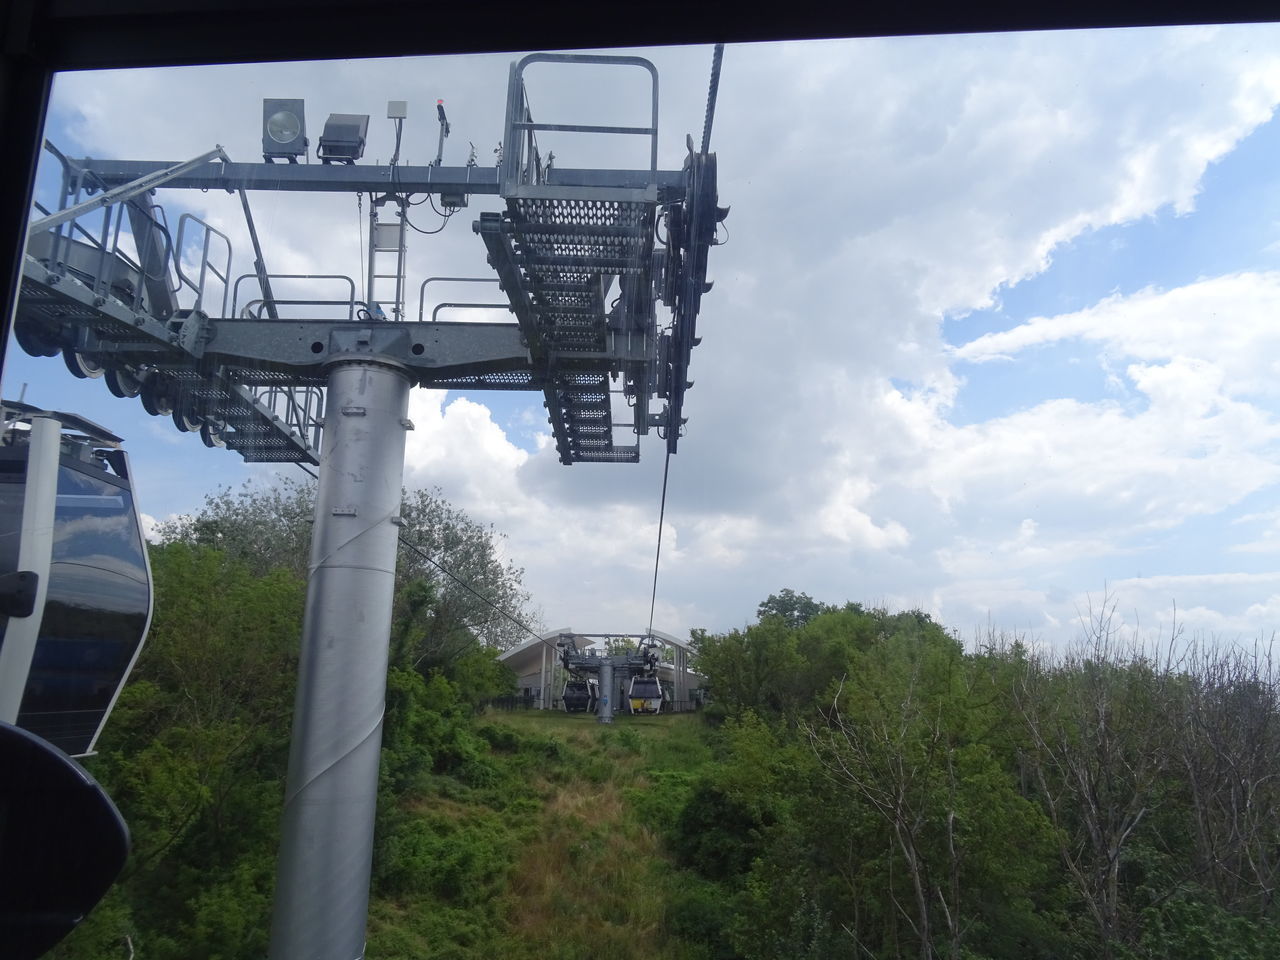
326	851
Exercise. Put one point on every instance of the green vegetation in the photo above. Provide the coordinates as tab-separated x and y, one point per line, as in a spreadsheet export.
879	792
861	787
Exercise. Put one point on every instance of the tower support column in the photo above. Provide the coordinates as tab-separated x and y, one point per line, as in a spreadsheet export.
326	845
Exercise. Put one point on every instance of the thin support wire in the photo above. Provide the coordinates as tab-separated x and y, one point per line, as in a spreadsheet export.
360	232
662	511
463	583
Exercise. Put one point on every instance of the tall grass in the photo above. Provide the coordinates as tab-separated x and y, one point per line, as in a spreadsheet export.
577	811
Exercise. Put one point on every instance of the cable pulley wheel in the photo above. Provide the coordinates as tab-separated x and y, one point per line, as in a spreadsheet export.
185	418
122	382
211	433
81	366
158	396
34	341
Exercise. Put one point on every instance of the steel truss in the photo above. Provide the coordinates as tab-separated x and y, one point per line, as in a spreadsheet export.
574	251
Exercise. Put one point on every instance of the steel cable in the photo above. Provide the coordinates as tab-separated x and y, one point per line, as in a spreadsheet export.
716	57
657	556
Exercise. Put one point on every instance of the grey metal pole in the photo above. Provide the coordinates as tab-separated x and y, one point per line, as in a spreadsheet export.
35	552
326	844
604	713
681	662
542	689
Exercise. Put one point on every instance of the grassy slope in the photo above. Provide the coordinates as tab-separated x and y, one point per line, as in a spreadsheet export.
553	850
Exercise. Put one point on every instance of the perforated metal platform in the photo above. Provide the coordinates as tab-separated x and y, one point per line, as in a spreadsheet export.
562	260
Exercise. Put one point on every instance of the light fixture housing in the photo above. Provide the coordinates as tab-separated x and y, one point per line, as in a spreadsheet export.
284	130
343	137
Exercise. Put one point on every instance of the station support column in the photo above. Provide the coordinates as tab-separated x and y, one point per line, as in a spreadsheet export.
326	845
604	712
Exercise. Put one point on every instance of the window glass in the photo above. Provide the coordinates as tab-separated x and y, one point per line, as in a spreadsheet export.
95	612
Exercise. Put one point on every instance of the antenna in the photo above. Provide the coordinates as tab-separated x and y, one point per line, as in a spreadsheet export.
444	132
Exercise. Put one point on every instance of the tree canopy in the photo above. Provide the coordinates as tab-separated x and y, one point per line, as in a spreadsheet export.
793	609
885	793
196	750
439	615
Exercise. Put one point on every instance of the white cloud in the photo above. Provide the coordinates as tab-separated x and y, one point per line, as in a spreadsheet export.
149	525
1226	321
1225	607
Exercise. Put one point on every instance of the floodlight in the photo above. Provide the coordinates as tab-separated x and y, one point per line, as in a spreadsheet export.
343	137
284	130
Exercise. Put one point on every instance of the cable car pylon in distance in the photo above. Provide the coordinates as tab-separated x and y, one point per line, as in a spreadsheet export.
153	309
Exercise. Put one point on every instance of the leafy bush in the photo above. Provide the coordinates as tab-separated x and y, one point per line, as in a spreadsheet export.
460	861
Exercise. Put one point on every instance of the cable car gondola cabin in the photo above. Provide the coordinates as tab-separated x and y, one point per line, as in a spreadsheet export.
645	695
97	579
580	696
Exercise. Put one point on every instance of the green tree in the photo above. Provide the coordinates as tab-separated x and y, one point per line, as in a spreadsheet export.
909	737
195	755
793	609
270	527
752	669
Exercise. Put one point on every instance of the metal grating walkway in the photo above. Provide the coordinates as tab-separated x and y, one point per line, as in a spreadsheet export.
562	260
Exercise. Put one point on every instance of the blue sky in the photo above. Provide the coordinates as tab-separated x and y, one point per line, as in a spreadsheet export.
994	332
1232	227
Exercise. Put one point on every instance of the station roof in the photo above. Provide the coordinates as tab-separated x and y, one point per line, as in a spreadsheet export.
523	657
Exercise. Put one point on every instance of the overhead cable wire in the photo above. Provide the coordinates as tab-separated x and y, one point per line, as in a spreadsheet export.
473	591
460	581
657	556
414	226
360	233
717	57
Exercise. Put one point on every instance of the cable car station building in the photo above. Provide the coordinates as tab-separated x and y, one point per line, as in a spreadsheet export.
541	674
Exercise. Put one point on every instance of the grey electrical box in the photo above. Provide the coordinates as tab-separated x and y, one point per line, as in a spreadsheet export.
388	236
397	109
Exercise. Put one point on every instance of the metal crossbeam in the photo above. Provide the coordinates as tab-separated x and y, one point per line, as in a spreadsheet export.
573	252
140	184
363	178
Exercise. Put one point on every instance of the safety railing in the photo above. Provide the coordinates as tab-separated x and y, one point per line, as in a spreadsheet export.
522	163
108	270
206	265
253	309
299	408
106	266
422	297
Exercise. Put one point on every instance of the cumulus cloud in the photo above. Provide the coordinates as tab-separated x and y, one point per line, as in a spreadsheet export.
1225	321
149	527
